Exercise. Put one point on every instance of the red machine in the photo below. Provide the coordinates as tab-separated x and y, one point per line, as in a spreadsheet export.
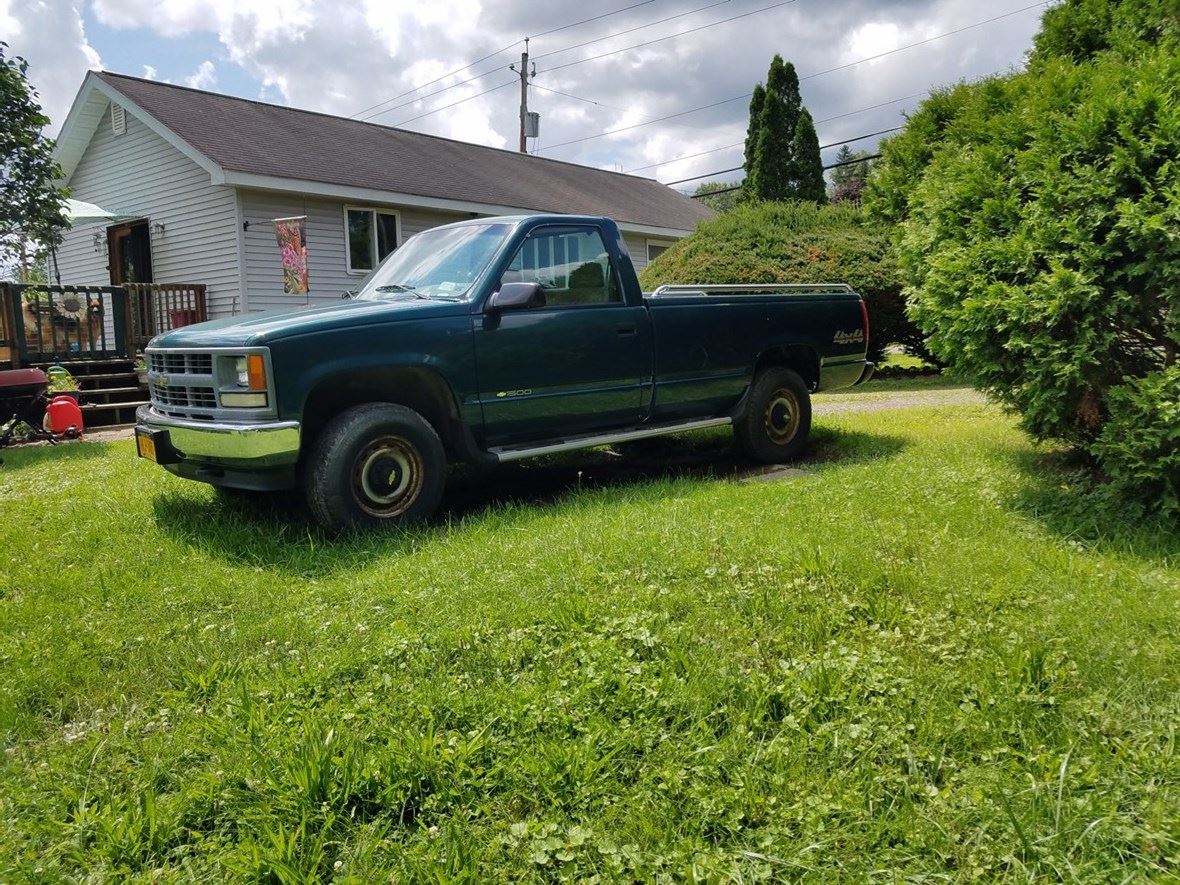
63	415
24	401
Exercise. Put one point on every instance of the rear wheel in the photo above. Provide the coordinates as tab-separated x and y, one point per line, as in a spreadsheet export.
375	465
777	421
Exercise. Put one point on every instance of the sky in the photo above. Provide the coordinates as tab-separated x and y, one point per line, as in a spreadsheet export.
597	101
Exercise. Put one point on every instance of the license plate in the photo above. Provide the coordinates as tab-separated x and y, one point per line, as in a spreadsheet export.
145	446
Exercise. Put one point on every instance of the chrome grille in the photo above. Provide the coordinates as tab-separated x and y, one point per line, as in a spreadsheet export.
181	363
183	397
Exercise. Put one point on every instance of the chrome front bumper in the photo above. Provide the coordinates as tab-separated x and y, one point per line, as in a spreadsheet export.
267	444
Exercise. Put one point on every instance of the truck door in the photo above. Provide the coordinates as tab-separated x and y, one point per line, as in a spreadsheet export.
578	363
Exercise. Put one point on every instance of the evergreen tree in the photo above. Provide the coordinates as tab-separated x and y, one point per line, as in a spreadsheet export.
808	168
756	102
771	170
849	180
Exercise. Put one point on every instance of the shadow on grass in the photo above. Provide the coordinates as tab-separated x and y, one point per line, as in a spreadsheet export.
275	531
22	457
1064	495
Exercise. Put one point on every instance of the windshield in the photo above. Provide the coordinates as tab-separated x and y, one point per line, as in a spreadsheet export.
443	262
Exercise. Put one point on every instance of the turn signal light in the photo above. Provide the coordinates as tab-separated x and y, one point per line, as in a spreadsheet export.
256	371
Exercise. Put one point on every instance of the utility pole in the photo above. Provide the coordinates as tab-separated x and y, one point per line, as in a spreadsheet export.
525	76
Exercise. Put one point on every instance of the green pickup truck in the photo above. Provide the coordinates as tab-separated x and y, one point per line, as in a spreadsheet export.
487	341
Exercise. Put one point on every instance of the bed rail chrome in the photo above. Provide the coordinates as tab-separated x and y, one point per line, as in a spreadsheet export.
706	289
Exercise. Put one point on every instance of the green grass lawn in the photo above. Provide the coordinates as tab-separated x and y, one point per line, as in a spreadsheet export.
930	658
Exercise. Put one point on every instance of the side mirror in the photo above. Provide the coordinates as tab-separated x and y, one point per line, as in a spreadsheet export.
517	296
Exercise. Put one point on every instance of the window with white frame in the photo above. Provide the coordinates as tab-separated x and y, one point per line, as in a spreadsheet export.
657	247
369	235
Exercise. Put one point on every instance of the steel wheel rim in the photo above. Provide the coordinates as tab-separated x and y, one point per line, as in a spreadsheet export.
782	416
387	477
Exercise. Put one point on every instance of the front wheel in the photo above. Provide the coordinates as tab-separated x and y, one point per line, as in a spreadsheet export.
777	421
375	465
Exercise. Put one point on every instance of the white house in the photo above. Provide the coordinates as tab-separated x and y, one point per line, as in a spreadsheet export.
198	179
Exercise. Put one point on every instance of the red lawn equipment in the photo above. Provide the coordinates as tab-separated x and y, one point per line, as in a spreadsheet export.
25	402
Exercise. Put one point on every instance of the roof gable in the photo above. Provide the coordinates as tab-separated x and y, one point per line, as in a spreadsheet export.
233	135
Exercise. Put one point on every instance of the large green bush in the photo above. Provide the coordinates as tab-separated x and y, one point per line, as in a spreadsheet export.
796	243
1040	237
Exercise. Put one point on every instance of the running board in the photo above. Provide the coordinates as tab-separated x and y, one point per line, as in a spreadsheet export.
515	453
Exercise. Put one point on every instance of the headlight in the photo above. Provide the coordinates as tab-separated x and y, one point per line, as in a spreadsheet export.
243	381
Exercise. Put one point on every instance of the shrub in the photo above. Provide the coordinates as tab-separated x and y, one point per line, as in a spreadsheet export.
796	243
1140	444
1039	218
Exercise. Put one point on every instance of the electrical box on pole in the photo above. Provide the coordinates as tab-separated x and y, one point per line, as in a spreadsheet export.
529	123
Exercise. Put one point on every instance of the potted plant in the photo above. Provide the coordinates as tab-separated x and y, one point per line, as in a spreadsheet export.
141	369
62	383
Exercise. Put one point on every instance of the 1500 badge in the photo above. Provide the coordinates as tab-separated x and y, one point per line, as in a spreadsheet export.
854	337
507	393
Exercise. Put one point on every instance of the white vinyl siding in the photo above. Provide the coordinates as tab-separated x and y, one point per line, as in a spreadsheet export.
140	174
637	246
327	269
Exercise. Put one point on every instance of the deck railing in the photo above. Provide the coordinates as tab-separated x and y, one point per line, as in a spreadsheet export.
43	323
158	307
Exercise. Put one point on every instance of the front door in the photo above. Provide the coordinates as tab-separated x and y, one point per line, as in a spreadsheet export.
578	363
129	253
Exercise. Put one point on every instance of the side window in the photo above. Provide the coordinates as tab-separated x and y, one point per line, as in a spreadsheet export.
571	265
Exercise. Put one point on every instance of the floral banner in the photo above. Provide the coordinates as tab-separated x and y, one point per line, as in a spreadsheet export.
291	234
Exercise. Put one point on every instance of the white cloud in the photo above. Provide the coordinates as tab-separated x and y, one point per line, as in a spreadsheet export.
150	73
204	77
341	58
49	34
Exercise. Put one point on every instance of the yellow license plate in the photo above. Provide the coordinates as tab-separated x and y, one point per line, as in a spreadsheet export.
145	446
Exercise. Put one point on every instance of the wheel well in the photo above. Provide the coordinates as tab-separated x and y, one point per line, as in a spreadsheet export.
422	390
799	357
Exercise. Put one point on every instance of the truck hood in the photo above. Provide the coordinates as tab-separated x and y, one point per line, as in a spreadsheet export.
254	329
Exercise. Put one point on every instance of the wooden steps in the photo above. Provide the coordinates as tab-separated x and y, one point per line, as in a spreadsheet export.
109	390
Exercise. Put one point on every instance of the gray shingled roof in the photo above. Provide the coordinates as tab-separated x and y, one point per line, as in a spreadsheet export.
265	139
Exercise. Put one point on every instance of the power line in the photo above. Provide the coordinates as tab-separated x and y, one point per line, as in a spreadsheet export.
435	80
738	187
742	143
633	30
412	101
570	64
587	21
822	147
485	58
576	97
511	82
808	77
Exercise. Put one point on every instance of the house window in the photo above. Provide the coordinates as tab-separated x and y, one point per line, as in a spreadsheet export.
571	265
657	247
370	235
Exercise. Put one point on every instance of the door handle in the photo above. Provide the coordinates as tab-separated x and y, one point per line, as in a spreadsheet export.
627	330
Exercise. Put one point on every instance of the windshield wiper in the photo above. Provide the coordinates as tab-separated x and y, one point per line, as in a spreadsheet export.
349	293
395	287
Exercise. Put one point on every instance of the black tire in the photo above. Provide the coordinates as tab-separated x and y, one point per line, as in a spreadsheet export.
777	421
374	466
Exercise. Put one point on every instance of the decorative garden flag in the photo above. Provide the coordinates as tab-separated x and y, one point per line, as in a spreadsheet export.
292	236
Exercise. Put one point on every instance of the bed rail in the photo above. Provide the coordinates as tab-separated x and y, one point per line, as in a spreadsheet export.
705	290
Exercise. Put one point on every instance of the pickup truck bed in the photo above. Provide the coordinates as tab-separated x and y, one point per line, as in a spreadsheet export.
488	341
